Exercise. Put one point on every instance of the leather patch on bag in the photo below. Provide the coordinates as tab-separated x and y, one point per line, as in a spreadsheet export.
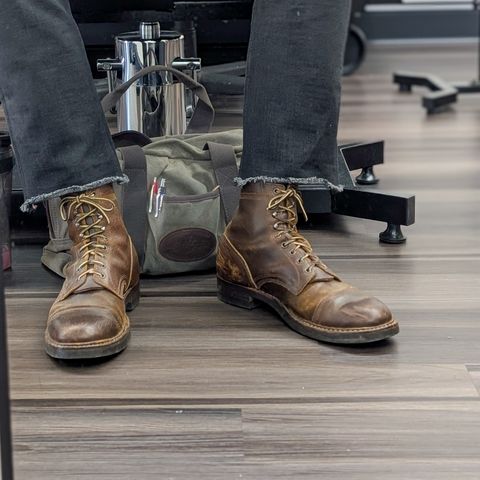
188	245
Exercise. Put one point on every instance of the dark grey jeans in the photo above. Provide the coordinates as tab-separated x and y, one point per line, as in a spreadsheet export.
59	133
61	140
292	96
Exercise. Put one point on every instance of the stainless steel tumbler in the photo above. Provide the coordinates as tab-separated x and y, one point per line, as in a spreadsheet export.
157	104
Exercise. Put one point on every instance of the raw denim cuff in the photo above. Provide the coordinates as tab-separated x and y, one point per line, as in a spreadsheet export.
289	181
30	204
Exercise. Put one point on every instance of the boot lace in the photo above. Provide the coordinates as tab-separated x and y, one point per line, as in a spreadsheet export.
283	205
89	212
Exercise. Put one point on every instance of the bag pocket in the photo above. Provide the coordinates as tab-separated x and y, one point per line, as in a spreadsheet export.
184	236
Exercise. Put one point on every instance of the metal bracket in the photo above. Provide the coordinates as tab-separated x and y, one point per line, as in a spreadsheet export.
364	156
441	92
353	201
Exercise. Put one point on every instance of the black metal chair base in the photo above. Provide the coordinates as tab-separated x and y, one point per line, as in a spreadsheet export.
441	92
355	201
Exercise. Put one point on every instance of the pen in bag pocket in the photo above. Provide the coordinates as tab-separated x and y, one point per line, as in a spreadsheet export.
162	190
153	194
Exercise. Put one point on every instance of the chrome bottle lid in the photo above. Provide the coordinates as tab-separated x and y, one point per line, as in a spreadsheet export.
150	30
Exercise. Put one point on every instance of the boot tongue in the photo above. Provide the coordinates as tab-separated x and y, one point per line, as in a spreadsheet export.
282	216
284	210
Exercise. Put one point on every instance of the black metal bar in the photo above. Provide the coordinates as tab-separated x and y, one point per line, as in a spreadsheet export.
361	155
433	82
471	87
5	422
395	209
436	100
442	93
316	199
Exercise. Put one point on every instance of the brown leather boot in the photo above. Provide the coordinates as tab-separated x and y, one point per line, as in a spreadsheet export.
88	319
263	259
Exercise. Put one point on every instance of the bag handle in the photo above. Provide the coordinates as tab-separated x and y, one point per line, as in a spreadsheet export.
225	167
135	198
204	113
130	137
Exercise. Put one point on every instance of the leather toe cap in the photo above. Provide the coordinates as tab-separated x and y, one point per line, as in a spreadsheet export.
83	326
352	309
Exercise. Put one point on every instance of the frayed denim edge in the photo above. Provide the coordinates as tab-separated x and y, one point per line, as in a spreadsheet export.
29	205
240	182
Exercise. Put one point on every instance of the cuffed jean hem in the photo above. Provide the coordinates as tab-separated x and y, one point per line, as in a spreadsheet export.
240	182
30	204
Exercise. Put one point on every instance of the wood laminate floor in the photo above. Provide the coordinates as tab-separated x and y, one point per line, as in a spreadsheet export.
207	391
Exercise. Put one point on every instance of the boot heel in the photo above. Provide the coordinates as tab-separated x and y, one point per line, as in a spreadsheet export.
236	295
133	298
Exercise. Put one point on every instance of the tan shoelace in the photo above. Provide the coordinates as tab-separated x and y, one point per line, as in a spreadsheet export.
286	201
86	207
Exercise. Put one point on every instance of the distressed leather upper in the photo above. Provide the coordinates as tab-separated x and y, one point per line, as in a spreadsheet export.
90	308
255	253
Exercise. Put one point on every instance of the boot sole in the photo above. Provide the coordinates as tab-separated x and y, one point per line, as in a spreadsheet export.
80	352
249	298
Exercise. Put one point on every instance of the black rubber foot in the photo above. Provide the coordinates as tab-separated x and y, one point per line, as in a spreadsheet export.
367	177
405	87
393	234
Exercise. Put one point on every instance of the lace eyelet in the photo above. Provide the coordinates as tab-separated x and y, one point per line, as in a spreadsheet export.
276	191
284	245
299	261
103	275
292	252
